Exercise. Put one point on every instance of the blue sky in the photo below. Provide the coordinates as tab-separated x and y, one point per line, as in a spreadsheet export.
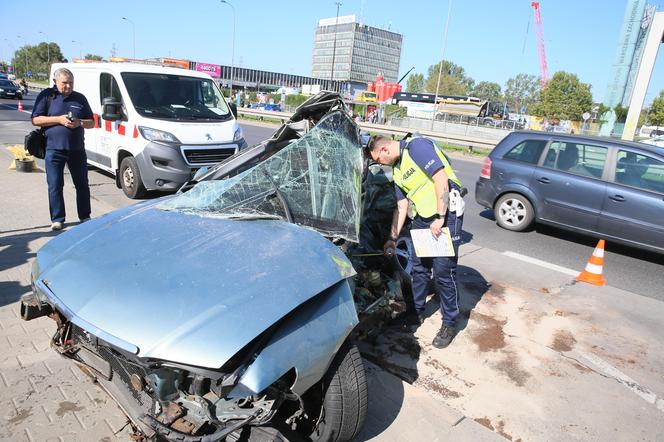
486	37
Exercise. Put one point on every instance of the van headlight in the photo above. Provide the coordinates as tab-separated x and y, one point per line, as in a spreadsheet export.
238	135
158	136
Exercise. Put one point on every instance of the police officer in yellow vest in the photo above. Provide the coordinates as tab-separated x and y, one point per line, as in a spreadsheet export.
424	176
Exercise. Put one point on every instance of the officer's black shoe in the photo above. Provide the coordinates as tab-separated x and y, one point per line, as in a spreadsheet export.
444	336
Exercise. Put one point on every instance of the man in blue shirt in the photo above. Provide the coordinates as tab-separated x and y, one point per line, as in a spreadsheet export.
64	114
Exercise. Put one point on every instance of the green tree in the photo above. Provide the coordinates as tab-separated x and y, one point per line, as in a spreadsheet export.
621	113
522	91
453	81
415	83
36	59
93	57
565	98
656	112
488	90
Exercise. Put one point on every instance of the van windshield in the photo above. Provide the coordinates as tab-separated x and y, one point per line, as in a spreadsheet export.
175	97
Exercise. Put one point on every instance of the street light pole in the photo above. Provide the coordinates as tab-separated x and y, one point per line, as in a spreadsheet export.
442	59
133	33
79	48
334	45
25	49
48	48
232	48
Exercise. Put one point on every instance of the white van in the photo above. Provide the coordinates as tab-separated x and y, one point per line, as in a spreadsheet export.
154	125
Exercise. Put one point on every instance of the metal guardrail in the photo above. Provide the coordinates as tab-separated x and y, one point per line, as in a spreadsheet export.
462	140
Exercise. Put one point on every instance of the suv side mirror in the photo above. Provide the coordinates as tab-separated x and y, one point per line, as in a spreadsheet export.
111	109
233	107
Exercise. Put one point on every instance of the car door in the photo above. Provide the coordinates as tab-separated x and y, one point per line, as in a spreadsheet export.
633	209
108	139
568	185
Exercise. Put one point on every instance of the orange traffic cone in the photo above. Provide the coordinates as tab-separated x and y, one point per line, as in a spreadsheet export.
20	106
593	272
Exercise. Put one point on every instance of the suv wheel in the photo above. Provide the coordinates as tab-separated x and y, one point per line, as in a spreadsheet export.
514	212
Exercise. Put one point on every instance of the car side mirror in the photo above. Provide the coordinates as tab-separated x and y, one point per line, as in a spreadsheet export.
111	109
233	107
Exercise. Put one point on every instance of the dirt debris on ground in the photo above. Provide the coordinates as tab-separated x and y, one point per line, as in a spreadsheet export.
489	335
516	346
563	340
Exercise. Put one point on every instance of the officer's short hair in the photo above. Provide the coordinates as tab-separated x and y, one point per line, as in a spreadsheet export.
374	142
62	71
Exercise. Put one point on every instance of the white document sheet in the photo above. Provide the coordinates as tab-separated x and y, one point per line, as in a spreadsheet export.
426	246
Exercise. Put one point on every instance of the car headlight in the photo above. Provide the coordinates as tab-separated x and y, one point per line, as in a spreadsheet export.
158	136
1	89
238	135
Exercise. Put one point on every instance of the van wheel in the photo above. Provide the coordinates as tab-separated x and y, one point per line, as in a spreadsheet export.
340	399
130	178
514	212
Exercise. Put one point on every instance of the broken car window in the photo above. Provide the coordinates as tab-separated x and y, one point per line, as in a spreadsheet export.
318	175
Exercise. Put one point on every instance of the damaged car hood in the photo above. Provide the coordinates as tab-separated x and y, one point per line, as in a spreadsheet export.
187	288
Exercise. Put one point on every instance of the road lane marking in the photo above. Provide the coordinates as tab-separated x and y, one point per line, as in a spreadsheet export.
541	263
622	378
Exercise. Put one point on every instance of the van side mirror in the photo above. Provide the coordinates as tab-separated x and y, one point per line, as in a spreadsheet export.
233	107
111	109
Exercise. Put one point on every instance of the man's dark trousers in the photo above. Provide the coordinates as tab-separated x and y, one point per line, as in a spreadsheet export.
76	161
444	271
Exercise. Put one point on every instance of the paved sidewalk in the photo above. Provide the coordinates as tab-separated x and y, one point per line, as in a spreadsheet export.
46	398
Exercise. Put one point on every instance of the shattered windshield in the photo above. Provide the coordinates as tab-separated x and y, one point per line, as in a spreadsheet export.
316	178
175	97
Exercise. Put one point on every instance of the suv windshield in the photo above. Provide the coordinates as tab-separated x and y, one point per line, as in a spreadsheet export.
6	83
179	97
317	175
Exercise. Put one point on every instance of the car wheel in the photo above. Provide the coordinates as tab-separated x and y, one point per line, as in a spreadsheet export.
404	251
340	400
130	178
514	212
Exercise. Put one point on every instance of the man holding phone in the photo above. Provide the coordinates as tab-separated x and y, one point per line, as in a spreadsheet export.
64	114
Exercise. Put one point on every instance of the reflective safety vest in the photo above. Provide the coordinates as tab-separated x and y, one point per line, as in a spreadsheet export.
417	185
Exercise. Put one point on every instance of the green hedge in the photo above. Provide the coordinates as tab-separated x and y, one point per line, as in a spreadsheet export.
296	100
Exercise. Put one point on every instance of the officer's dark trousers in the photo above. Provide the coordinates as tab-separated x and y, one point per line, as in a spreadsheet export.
444	272
76	161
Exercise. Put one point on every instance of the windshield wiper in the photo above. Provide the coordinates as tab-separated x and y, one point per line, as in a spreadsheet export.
281	198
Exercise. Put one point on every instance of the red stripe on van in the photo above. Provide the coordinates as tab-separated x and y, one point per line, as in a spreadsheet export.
95	117
121	129
135	132
108	125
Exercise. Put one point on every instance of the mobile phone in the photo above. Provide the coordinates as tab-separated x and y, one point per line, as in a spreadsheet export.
70	116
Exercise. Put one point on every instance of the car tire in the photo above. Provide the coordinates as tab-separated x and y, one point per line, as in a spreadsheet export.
342	398
130	178
514	212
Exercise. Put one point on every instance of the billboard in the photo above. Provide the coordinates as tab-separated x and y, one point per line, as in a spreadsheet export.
214	70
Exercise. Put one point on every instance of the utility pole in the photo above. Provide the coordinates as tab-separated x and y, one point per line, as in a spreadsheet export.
442	60
232	48
334	45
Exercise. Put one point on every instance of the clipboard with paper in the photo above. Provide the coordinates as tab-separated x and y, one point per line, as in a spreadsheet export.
426	246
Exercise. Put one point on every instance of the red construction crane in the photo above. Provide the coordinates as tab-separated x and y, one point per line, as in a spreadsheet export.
544	71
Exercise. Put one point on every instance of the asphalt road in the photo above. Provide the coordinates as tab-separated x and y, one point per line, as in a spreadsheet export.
625	268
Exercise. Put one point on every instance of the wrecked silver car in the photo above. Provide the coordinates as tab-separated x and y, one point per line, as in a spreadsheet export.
228	311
